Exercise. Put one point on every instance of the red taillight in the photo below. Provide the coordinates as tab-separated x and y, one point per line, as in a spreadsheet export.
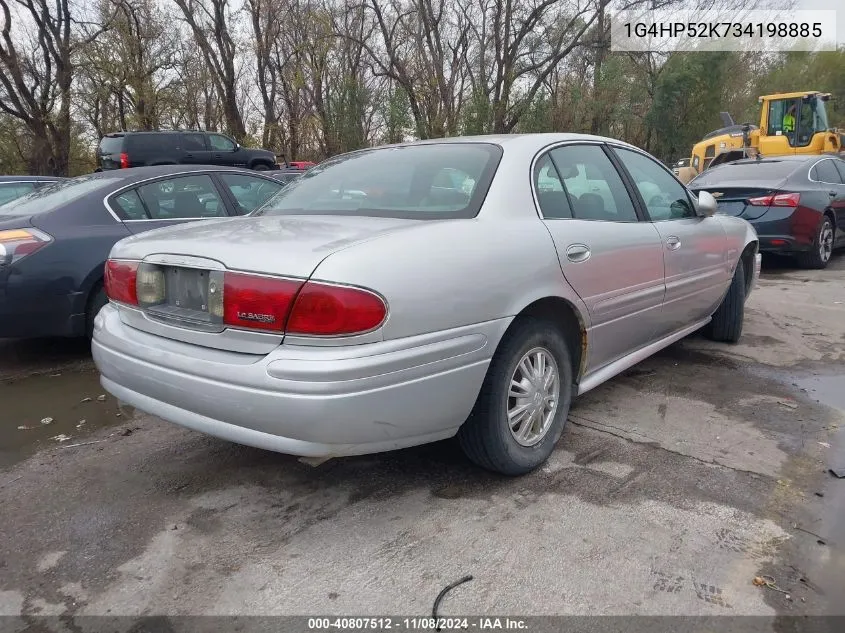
257	302
776	200
18	243
124	160
120	281
326	310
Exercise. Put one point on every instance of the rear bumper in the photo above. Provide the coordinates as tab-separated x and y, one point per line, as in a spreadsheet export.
787	230
309	401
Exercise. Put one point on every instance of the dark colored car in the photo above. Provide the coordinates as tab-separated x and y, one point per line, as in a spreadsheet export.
795	203
54	241
124	150
12	187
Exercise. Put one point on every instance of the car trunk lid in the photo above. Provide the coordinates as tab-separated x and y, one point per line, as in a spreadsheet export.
733	200
192	260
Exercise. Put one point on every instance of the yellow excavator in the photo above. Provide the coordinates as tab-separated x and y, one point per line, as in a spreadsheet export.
790	123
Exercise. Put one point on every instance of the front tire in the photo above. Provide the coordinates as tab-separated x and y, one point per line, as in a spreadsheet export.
261	167
524	401
726	324
822	249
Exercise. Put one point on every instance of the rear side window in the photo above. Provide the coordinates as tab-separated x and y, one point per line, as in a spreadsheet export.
182	198
129	205
149	143
193	142
111	145
554	203
825	171
594	186
13	190
840	166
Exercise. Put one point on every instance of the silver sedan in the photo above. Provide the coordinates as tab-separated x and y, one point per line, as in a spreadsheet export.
406	294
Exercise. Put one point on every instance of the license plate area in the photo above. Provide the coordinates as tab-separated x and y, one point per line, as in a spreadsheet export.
186	297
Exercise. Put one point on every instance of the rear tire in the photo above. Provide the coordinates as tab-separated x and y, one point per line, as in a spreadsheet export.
822	249
726	324
261	167
514	435
95	304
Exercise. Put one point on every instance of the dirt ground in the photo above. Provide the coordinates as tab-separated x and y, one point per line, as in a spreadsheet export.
673	486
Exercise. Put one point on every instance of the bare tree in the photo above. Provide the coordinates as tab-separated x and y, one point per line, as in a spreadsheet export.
209	21
36	77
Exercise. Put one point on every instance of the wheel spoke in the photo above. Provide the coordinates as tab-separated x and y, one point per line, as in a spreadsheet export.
526	369
518	390
517	413
539	367
527	426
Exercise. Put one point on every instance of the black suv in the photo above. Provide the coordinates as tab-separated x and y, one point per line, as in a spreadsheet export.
122	150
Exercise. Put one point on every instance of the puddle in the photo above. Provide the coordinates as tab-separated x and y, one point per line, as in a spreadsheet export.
828	390
69	398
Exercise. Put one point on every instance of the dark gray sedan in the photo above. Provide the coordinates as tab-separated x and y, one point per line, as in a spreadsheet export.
54	240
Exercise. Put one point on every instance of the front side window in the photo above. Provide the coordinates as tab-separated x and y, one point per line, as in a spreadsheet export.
426	181
221	143
182	198
250	192
594	187
664	197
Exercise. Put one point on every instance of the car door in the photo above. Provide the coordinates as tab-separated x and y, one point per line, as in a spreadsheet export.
169	201
611	258
195	150
831	175
224	151
248	192
696	261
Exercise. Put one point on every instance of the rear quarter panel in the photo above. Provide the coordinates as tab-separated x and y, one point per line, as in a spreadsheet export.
452	273
84	233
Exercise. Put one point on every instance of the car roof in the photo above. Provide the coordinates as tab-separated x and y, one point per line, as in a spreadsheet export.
29	178
137	132
788	158
137	174
539	139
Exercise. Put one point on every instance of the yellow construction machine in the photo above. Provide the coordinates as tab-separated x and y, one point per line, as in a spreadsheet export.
790	123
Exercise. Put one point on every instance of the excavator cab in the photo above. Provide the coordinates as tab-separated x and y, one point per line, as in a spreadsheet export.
790	123
795	123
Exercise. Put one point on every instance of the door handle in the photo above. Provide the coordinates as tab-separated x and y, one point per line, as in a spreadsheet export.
189	155
673	243
578	253
832	194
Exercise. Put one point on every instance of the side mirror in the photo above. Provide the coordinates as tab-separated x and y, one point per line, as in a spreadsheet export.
706	204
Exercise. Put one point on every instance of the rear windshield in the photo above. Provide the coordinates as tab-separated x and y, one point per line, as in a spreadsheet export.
436	181
55	194
756	171
111	145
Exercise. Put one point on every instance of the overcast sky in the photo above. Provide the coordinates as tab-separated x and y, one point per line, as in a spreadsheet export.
838	5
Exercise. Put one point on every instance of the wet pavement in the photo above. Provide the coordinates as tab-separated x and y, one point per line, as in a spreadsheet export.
674	485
